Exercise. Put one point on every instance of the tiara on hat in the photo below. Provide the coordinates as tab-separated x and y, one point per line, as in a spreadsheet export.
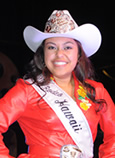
60	22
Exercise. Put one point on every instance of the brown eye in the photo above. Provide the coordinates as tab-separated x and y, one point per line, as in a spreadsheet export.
51	47
67	48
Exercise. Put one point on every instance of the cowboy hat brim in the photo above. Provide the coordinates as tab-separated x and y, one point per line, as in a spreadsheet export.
87	34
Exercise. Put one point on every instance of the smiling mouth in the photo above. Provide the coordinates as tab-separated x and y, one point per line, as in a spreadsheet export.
61	63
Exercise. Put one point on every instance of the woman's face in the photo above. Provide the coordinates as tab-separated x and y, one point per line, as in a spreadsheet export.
61	56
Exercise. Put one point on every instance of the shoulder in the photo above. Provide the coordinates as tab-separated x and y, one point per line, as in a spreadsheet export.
24	83
26	86
99	87
21	88
22	91
21	84
95	84
102	93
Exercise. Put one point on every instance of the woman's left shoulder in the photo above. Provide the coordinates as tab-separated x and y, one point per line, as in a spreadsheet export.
100	90
95	84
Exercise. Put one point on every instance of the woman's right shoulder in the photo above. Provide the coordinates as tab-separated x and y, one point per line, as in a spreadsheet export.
21	84
26	87
22	88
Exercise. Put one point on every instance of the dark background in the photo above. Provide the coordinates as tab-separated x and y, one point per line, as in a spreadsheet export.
16	15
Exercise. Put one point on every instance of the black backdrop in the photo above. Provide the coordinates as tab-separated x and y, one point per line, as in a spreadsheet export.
16	15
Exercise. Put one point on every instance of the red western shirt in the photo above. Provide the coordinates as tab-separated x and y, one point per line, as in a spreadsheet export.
45	134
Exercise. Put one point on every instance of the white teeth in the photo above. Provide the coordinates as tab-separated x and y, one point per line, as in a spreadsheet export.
59	63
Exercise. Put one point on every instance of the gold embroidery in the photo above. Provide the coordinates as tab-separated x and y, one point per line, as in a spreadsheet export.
82	96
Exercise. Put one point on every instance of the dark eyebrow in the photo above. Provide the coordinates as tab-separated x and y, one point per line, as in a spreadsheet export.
63	43
50	43
68	42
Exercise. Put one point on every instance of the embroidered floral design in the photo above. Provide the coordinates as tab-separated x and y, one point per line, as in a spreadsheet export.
51	78
82	96
85	103
60	22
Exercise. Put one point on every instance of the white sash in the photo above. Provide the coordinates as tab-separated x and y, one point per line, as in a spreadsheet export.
70	115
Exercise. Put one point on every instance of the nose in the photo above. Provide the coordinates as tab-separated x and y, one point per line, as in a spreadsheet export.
60	52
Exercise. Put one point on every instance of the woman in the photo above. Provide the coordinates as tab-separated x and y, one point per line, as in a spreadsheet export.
57	104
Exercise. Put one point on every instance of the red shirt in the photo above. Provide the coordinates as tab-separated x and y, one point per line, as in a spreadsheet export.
43	130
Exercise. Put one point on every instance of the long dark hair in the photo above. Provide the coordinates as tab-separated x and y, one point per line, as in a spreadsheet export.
83	71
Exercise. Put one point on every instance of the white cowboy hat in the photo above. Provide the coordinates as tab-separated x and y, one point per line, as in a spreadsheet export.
61	24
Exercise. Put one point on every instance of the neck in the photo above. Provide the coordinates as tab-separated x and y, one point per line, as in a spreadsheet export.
63	82
67	84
